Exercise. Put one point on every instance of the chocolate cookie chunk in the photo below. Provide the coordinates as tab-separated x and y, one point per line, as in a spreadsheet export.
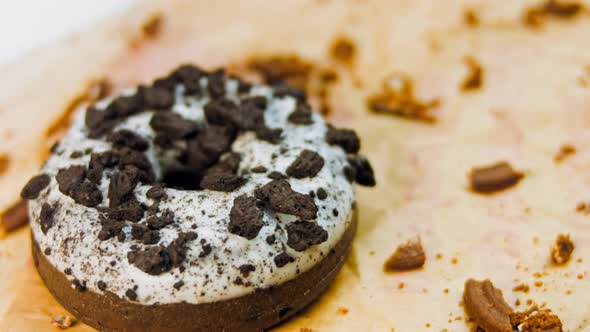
301	115
283	259
281	198
245	217
46	219
122	184
345	138
308	164
154	97
304	234
173	125
216	84
35	185
363	171
129	139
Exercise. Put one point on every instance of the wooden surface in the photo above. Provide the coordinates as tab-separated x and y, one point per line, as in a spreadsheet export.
533	101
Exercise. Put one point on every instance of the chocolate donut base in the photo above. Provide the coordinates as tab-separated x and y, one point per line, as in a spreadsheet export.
252	312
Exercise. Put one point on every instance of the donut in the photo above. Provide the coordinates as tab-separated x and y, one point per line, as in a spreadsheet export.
200	202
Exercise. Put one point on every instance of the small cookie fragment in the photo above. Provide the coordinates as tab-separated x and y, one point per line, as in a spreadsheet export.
493	178
301	115
345	138
486	306
63	322
562	250
281	198
535	16
308	164
304	234
4	162
565	151
343	50
46	219
35	185
361	171
15	216
474	79
245	217
283	259
536	320
408	256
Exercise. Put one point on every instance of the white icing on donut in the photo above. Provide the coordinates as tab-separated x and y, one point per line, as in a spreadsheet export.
73	237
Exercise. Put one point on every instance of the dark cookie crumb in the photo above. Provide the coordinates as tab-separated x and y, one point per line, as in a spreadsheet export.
47	251
281	198
245	269
308	164
322	194
101	285
245	217
156	192
494	178
363	171
276	175
79	285
283	259
173	125
301	115
177	285
131	294
158	259
46	219
270	239
304	234
206	247
216	84
258	169
35	185
345	138
129	139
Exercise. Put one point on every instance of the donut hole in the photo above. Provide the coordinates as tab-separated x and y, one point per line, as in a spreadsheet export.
182	178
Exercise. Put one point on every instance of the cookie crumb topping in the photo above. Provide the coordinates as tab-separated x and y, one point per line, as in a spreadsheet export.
409	256
494	178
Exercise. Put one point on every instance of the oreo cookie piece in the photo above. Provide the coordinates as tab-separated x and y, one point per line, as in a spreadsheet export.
308	164
245	217
281	198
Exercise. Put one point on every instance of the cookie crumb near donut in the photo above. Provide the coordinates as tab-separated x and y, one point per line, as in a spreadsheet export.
562	249
408	256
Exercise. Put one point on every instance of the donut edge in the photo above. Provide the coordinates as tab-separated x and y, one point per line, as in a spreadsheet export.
252	312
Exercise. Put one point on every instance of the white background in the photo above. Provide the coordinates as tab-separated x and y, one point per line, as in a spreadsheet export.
29	24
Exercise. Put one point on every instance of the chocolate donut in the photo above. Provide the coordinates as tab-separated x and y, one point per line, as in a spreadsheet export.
200	202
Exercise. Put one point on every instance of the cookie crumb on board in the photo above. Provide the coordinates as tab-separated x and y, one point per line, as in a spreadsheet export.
493	178
152	27
343	50
15	216
536	16
486	306
564	152
409	256
562	250
470	18
4	162
474	79
397	98
63	322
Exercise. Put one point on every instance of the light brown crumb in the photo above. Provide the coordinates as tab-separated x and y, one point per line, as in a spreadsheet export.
565	151
536	16
152	27
343	50
305	329
408	256
454	261
4	162
521	288
474	79
562	249
63	322
538	284
494	178
342	311
397	98
401	285
535	320
470	18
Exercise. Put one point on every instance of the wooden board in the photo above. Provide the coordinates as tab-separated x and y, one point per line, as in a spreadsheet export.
533	100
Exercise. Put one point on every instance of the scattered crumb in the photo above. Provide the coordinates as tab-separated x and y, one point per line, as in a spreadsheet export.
63	322
314	79
538	284
470	18
15	216
474	79
397	98
408	256
4	162
494	178
536	16
439	256
583	208
342	311
564	152
343	50
446	291
521	288
401	285
372	253
454	261
535	320
305	329
562	249
152	27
